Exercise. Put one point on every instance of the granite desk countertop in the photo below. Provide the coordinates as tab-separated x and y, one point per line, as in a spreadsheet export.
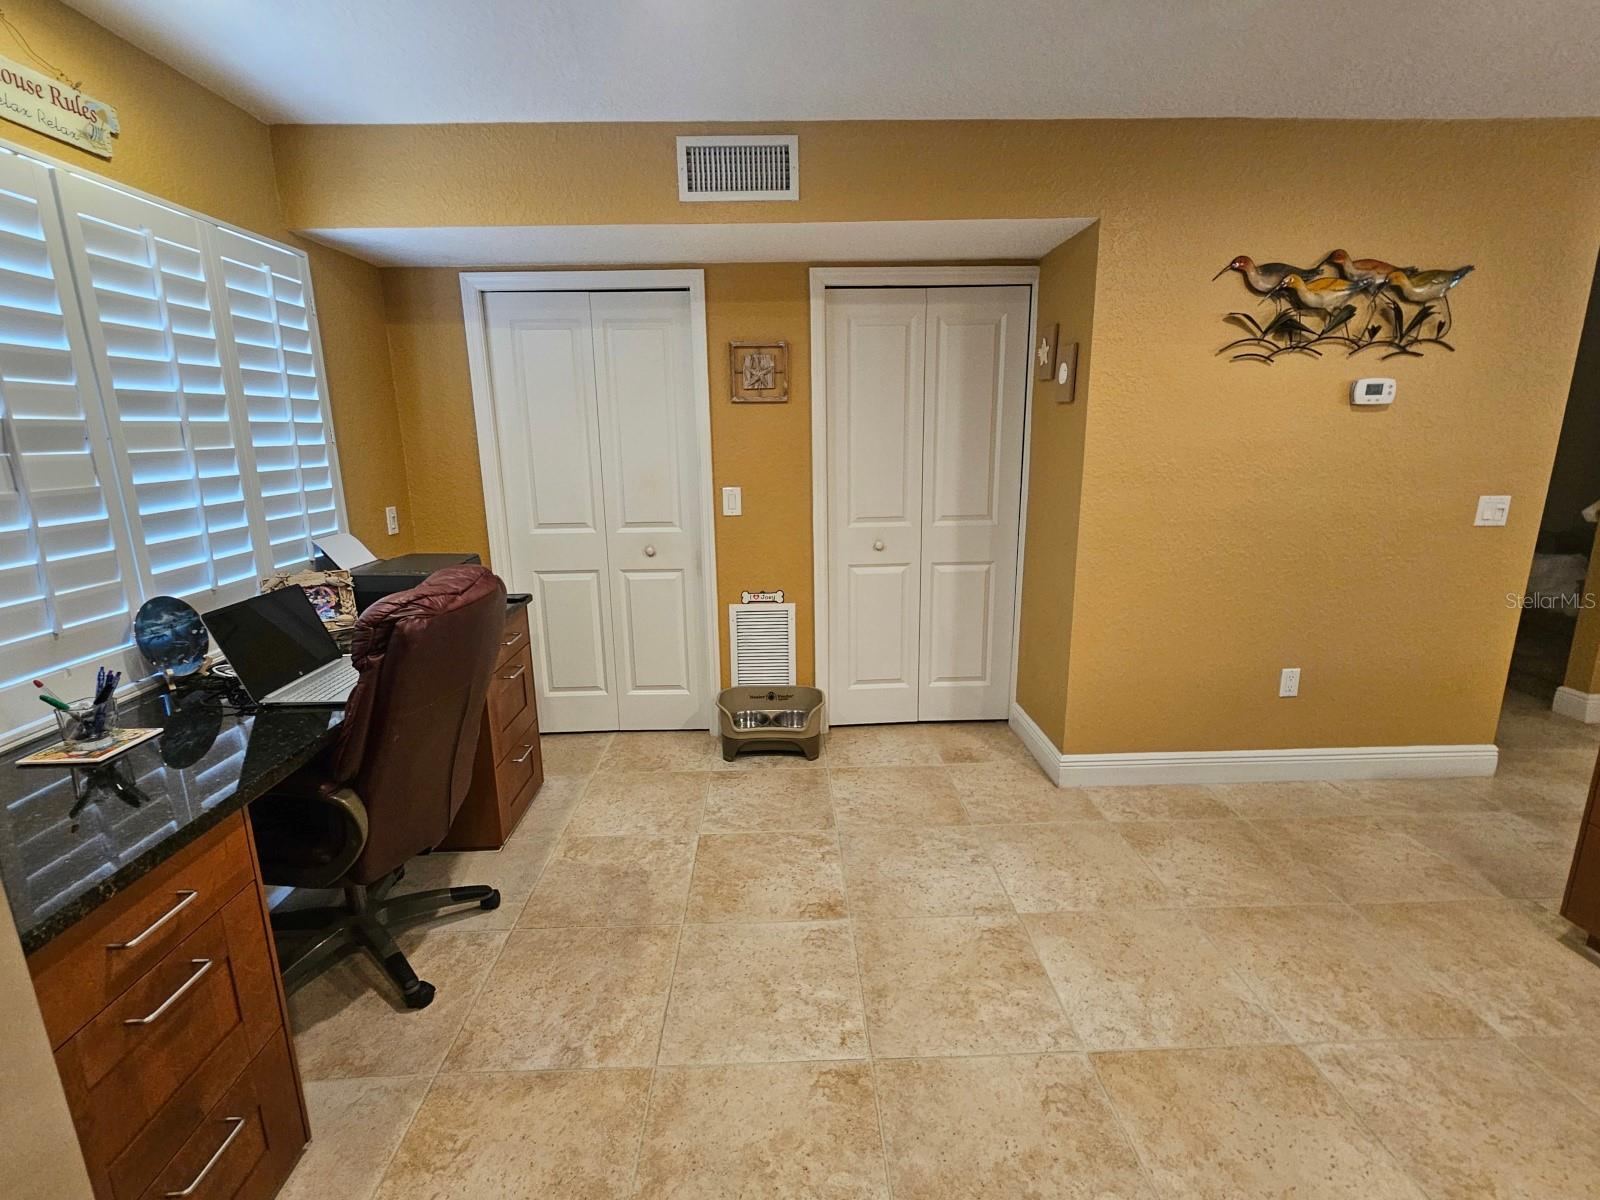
69	842
67	845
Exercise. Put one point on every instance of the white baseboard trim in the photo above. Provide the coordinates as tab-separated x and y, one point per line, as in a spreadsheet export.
1042	748
1580	706
1249	766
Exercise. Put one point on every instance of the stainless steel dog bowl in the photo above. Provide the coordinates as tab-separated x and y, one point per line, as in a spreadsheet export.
786	719
792	718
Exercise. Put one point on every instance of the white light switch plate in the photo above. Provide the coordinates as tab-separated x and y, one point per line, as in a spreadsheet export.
1289	682
391	518
1493	510
732	502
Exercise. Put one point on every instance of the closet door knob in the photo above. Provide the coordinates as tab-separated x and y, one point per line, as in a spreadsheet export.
877	545
649	551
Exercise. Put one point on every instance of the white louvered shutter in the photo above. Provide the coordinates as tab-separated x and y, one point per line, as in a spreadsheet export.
148	306
164	426
272	329
66	586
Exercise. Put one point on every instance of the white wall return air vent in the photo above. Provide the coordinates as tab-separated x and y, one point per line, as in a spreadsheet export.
752	167
761	644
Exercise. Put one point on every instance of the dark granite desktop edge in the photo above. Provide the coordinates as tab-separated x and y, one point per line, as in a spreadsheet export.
42	932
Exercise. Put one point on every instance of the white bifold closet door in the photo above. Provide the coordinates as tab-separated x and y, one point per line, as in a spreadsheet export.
594	413
926	395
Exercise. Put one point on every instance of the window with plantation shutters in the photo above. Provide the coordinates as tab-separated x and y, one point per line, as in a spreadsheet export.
147	303
65	572
273	329
163	423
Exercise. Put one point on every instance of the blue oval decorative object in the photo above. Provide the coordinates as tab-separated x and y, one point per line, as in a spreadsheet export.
171	635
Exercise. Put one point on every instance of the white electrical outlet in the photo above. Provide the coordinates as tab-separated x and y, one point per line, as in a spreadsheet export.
732	501
1289	682
391	517
1493	510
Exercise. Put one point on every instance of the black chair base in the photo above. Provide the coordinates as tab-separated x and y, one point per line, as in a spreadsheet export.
363	921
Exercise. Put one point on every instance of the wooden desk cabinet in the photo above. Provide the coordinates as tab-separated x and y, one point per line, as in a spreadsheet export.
1581	905
170	1030
507	770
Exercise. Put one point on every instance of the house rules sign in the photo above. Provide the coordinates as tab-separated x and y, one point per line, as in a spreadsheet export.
55	109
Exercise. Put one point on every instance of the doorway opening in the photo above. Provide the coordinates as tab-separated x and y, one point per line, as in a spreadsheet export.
1556	660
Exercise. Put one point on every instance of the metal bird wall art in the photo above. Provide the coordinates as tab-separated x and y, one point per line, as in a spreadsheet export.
1356	304
1266	278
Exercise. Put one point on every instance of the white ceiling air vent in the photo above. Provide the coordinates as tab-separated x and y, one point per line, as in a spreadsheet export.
761	639
754	167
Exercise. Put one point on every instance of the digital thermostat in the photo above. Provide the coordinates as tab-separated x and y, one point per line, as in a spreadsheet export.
1366	393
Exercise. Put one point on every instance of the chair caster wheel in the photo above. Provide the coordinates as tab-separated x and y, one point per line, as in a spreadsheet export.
490	902
418	994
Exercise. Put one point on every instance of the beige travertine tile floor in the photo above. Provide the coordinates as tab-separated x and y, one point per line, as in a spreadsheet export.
917	969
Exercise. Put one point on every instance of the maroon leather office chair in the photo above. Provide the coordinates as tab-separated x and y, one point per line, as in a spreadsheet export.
391	786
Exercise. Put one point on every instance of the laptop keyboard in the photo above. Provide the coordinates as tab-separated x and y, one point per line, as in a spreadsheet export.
322	686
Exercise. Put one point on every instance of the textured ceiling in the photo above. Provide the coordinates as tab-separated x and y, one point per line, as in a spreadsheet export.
424	61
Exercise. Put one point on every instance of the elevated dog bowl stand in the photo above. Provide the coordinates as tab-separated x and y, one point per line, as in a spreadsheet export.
770	719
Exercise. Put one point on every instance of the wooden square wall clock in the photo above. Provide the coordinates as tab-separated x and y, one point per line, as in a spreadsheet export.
759	372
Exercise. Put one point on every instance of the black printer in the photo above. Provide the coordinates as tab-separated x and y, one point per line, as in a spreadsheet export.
375	580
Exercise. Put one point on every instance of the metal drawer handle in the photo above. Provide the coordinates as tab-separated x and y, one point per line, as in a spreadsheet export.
512	640
877	545
649	551
185	899
238	1124
517	674
204	964
527	753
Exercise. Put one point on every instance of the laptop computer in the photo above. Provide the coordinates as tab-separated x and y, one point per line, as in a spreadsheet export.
281	651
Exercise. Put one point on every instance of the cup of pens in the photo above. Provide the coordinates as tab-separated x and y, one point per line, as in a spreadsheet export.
87	725
91	724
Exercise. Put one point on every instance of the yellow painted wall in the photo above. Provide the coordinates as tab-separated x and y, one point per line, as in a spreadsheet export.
433	397
763	448
37	1141
1055	484
355	352
1242	518
1236	518
188	145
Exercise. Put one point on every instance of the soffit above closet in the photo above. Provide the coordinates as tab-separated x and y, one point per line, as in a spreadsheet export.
802	241
421	62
